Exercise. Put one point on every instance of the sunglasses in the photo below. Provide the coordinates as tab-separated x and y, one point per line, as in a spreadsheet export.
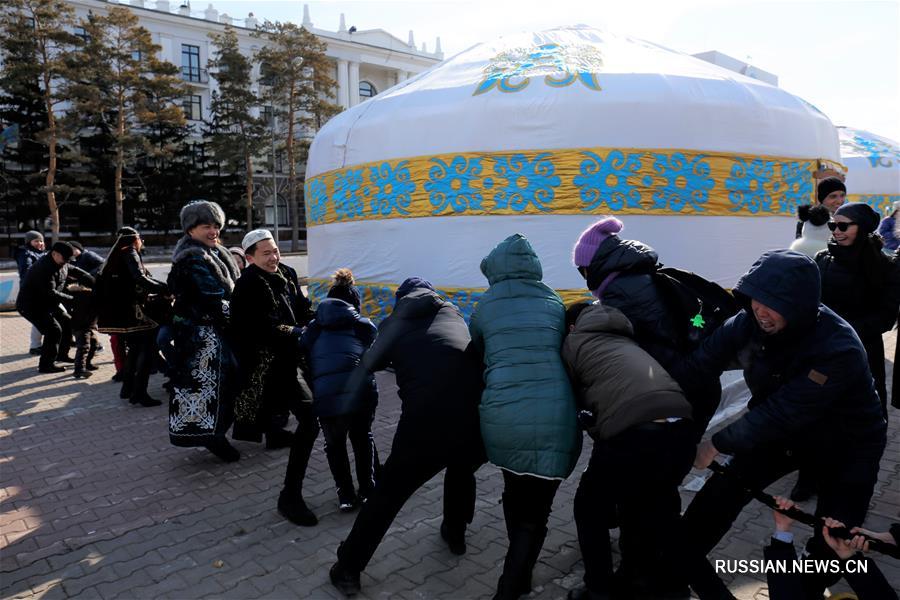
842	226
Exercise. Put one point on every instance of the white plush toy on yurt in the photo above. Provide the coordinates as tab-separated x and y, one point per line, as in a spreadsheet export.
873	168
539	133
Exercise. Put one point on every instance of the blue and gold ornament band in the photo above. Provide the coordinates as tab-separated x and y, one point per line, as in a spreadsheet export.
573	182
882	203
377	300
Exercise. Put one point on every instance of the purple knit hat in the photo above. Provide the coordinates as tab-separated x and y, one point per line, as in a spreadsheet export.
591	238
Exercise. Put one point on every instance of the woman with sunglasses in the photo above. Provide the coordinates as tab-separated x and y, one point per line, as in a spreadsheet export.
860	282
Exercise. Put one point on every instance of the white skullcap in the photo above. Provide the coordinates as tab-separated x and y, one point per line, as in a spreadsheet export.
257	235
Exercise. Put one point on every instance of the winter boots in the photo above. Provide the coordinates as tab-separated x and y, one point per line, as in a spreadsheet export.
525	543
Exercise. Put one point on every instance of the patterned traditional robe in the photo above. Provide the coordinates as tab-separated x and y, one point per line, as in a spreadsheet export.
202	279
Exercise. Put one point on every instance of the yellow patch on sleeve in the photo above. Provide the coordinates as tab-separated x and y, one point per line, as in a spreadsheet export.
817	377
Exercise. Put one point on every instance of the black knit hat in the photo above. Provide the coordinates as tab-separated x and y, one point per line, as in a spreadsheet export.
63	248
828	185
862	214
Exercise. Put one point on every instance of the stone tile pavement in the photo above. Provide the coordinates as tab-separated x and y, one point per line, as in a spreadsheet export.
97	504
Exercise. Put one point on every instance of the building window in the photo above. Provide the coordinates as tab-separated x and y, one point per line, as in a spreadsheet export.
266	75
198	155
190	62
268	113
81	33
193	109
283	215
366	89
136	56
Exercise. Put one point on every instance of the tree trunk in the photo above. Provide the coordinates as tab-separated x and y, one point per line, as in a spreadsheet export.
292	175
50	180
248	164
120	161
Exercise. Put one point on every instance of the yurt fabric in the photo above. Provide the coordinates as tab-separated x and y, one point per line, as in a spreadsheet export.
539	133
873	168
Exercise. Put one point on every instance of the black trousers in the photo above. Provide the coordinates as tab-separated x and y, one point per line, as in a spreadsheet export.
646	464
139	359
85	347
846	475
358	426
57	331
301	448
415	458
528	499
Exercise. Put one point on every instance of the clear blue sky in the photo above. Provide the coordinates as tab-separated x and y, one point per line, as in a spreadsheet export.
842	56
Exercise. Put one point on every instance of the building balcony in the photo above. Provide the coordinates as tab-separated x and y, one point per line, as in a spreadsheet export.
194	75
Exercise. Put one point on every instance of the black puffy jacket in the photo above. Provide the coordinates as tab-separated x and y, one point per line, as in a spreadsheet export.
334	343
427	342
811	383
633	291
42	289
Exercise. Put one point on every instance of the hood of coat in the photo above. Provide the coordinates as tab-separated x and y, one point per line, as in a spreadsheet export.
787	282
513	258
598	318
616	254
333	313
418	303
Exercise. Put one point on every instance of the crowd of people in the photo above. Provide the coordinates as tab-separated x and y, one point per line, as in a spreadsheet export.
243	349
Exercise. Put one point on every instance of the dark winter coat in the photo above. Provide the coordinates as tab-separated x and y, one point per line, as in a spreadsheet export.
528	413
202	280
122	287
267	313
886	231
334	343
42	290
634	292
89	261
866	297
26	256
84	304
426	340
810	382
621	384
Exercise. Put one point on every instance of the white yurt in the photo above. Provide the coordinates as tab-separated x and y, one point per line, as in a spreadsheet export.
873	168
539	133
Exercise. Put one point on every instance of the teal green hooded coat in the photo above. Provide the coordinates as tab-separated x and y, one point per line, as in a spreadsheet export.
528	415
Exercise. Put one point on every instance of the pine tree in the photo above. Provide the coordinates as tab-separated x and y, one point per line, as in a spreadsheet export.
297	83
126	89
40	29
238	136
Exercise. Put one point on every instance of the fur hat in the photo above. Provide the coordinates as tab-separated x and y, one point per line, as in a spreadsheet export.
818	215
828	185
201	212
412	283
32	235
63	248
342	288
862	214
591	238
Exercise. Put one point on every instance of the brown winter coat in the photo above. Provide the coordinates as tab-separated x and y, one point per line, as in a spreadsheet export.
614	378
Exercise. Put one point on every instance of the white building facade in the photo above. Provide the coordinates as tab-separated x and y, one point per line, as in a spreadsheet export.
366	62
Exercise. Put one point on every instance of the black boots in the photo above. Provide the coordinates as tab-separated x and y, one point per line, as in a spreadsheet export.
345	580
455	536
221	448
525	542
292	507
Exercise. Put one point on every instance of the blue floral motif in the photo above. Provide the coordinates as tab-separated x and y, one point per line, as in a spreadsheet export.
379	301
883	204
527	182
316	200
687	182
318	291
798	186
746	186
348	194
607	180
465	301
512	70
451	185
394	188
878	153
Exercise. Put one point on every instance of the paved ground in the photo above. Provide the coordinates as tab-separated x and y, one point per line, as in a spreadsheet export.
97	504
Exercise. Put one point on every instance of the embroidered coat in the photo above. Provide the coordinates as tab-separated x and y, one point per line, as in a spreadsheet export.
202	280
268	310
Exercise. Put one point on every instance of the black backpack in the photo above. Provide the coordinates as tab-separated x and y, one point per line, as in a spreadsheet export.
698	306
